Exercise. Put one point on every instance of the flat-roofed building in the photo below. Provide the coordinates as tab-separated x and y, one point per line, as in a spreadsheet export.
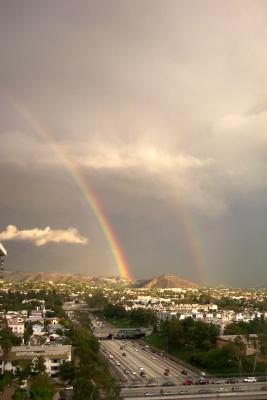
53	357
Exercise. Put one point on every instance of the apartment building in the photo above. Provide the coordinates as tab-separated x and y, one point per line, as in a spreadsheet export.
53	357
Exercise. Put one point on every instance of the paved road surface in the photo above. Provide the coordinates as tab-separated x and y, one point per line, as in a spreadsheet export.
138	357
237	396
154	365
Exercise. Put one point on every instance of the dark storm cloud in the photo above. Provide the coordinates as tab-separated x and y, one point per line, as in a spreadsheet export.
162	108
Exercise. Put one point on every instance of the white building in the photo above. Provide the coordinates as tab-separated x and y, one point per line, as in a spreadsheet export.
53	357
17	327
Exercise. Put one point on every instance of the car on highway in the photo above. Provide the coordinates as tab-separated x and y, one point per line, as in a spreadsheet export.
188	382
217	382
166	372
201	381
250	379
123	354
117	363
110	356
147	394
133	372
126	371
232	381
184	372
168	383
134	385
151	384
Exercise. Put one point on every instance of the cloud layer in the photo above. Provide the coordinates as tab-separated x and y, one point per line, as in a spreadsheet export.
162	108
41	237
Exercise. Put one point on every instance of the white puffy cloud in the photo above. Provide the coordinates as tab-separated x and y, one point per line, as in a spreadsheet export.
40	237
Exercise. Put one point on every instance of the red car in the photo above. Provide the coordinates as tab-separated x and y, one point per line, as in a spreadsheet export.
188	382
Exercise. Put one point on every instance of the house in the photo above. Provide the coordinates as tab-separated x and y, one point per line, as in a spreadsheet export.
17	326
36	315
37	329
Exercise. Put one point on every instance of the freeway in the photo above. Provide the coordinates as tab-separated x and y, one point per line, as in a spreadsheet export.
138	357
126	368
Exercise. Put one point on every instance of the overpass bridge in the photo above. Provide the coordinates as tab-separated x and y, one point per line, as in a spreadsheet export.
80	306
121	333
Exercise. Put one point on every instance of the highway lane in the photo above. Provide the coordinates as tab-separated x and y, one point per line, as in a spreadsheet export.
227	396
126	363
179	391
153	364
196	390
175	368
134	361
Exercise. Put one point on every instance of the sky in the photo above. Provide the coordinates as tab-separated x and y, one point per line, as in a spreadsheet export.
162	108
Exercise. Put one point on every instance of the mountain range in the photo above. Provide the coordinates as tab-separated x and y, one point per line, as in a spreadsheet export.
162	282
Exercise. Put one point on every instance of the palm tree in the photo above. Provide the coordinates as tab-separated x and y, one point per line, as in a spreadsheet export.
240	351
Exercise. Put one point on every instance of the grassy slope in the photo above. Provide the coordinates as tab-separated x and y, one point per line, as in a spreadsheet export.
185	354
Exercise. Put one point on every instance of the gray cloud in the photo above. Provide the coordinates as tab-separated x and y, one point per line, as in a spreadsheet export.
161	106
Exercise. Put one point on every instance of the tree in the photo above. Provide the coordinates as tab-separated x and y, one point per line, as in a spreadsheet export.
263	344
85	389
41	394
42	387
66	372
6	345
5	380
97	300
24	369
7	340
20	395
39	365
28	332
240	350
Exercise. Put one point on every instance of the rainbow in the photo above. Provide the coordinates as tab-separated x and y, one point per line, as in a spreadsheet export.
85	190
193	244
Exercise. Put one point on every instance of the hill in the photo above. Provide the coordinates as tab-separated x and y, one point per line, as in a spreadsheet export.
168	281
31	277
